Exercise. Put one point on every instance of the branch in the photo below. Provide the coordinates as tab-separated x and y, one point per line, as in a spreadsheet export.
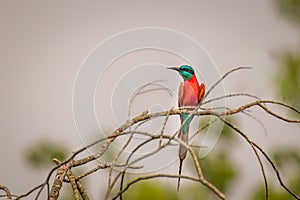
6	190
163	140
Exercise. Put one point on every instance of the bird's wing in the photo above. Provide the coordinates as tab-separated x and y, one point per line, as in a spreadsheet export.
201	92
180	94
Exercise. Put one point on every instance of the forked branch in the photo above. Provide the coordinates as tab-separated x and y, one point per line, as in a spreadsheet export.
118	169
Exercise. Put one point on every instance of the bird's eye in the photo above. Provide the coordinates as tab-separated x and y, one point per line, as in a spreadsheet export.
187	70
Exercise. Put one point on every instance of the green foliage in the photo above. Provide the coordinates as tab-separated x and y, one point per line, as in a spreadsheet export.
218	170
273	194
290	9
286	157
41	154
288	83
289	79
148	190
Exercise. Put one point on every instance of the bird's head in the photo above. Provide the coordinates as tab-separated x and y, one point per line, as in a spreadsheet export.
185	71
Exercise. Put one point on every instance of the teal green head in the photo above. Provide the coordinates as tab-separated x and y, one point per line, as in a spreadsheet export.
186	71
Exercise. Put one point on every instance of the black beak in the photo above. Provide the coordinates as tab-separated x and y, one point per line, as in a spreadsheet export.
174	68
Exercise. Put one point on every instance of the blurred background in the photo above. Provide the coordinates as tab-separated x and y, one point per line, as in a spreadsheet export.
43	45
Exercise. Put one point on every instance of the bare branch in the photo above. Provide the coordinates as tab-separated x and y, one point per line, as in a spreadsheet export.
60	175
223	77
6	190
131	127
255	151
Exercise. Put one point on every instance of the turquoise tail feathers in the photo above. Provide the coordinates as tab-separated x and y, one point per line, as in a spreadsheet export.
184	136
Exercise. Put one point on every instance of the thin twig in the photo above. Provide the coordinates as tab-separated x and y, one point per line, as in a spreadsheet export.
152	177
276	171
193	154
255	151
223	77
230	96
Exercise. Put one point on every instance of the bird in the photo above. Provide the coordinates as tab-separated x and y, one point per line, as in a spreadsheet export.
190	94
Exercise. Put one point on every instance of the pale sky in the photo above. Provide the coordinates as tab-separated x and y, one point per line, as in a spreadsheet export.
43	45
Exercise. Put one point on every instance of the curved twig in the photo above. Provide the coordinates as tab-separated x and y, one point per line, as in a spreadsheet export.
255	151
223	77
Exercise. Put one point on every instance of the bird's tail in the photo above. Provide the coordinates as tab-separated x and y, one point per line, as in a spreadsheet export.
183	135
180	167
182	149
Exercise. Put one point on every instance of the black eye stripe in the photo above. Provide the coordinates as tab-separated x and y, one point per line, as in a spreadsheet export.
188	70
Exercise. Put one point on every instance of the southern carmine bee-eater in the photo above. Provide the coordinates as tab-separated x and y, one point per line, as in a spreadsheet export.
190	94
